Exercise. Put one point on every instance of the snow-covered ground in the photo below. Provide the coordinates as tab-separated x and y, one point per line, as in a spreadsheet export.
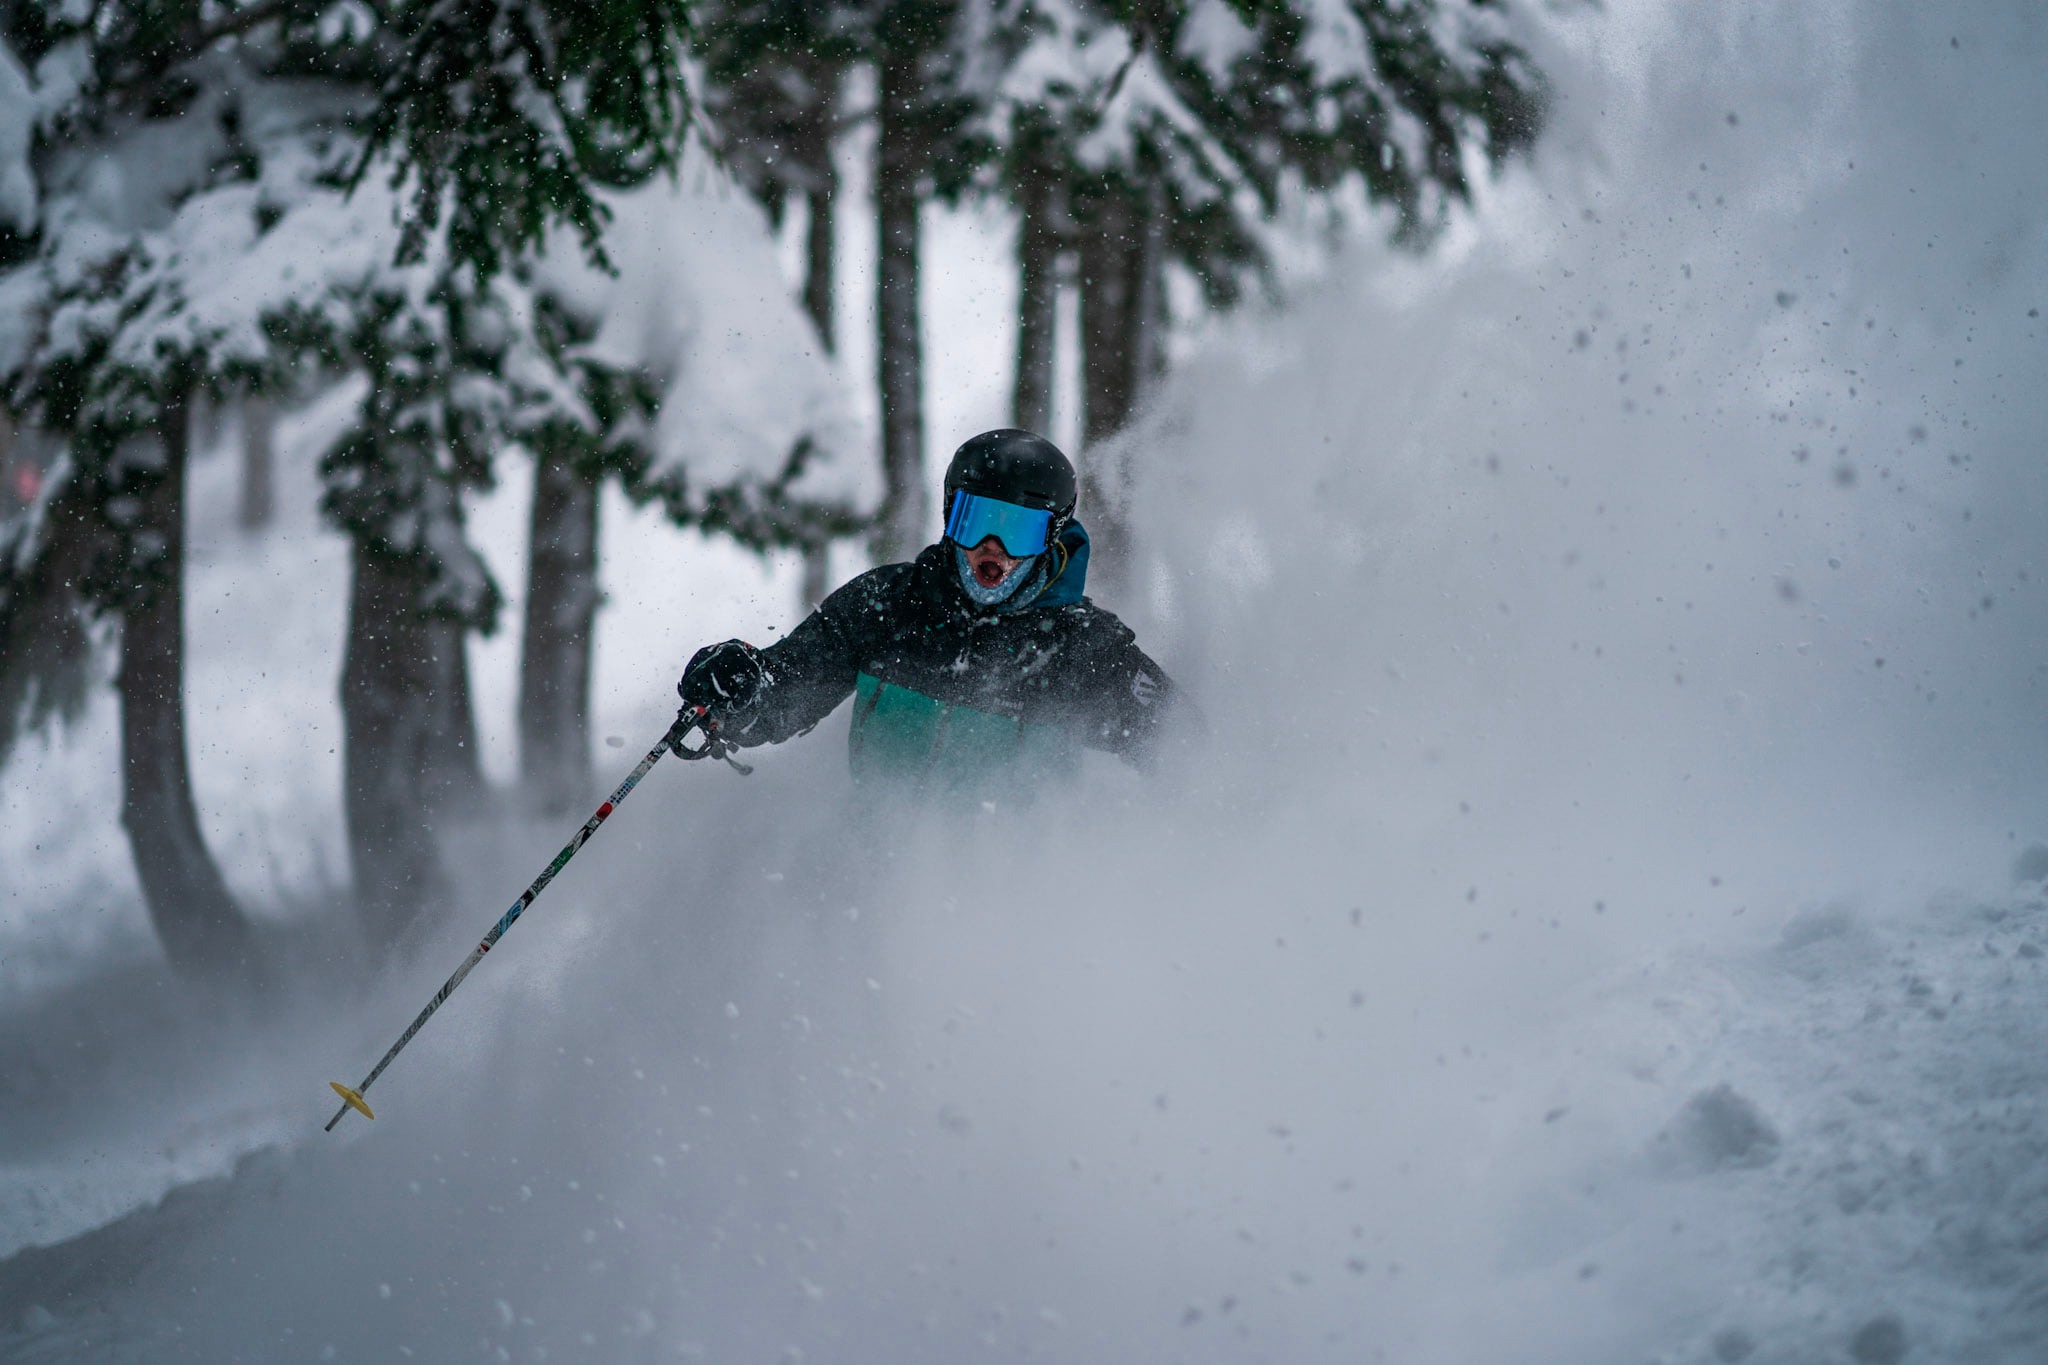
1591	930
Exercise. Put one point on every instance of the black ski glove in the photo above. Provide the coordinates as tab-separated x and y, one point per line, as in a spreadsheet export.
723	679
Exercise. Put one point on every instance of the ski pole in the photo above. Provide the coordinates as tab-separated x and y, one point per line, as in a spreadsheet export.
713	747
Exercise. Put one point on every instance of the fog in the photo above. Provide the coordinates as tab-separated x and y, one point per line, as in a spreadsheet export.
1650	565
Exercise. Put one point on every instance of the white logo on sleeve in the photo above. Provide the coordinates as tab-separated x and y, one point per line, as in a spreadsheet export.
1144	687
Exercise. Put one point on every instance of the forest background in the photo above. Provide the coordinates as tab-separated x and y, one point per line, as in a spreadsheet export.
472	218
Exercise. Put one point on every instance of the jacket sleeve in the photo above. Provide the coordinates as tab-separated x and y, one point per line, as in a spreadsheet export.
1126	698
811	670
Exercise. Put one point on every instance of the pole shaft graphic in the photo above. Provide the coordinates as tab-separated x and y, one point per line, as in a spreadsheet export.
581	837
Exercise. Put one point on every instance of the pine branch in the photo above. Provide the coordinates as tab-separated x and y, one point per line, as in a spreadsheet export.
143	73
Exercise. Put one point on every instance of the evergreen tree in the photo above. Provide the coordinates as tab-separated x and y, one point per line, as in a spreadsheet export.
1130	135
719	408
110	531
771	67
916	115
774	82
1139	135
192	231
774	72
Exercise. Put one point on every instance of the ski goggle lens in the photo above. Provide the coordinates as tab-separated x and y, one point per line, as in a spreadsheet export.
1022	530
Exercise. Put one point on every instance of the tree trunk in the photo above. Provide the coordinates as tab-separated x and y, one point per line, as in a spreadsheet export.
818	295
819	299
898	169
561	608
259	484
389	717
1111	316
455	774
1037	303
1122	338
1150	318
1108	378
201	926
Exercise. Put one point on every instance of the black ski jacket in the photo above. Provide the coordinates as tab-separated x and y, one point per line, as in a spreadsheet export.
946	690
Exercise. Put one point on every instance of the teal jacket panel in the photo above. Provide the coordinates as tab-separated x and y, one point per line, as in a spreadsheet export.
902	738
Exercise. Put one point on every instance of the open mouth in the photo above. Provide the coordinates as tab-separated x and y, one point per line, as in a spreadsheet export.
989	564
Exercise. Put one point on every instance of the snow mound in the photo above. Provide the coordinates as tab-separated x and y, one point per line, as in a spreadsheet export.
1886	1201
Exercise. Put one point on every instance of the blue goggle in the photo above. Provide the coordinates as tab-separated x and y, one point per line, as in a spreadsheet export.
1023	531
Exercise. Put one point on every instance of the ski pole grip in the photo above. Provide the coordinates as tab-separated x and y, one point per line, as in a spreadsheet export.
693	720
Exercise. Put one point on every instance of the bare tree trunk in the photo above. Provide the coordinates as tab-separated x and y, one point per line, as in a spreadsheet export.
1123	352
455	774
1037	302
1150	317
820	235
388	722
555	656
898	168
1117	297
818	263
820	298
259	484
1108	377
201	926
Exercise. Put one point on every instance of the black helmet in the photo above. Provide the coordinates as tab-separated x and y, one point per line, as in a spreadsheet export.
1018	467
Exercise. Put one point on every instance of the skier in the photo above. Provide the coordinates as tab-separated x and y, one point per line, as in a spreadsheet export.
976	669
